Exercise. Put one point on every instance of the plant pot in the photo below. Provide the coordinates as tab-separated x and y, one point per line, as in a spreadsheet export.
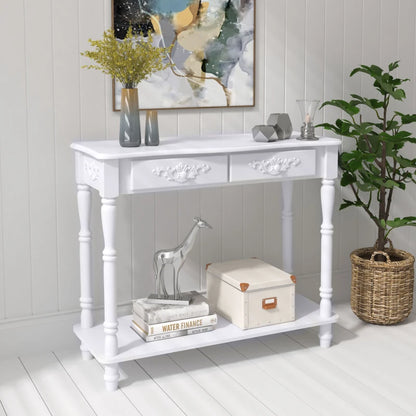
382	291
130	135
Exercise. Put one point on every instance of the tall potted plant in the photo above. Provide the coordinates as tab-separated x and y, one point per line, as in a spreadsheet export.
375	170
129	61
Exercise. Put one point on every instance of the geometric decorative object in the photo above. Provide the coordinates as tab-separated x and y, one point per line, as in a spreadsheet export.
263	133
212	51
282	124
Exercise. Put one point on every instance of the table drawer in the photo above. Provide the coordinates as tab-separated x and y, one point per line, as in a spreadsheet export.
169	173
269	165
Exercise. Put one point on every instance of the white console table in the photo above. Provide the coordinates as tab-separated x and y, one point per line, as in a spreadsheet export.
184	163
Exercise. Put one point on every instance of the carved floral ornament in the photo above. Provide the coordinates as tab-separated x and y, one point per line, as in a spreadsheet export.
275	166
92	169
182	172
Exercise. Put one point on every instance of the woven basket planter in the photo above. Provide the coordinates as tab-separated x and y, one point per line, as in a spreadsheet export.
382	291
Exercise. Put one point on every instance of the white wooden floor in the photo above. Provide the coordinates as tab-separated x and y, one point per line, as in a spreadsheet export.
370	370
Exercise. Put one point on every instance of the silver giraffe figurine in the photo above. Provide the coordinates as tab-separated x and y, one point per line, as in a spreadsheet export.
176	257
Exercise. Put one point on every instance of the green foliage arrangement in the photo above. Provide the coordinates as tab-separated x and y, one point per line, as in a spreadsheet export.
377	166
130	60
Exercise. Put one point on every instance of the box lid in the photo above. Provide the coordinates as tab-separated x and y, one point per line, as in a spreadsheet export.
250	274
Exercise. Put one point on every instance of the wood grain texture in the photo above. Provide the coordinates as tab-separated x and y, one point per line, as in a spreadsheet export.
321	399
334	378
87	375
180	386
18	395
229	393
139	385
257	382
57	389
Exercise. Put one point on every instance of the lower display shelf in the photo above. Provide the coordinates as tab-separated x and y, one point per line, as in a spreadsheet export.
132	347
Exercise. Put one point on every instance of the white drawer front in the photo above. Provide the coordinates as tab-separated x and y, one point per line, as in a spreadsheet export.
273	165
169	173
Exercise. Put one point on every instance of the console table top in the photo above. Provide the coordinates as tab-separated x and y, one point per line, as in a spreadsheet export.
186	145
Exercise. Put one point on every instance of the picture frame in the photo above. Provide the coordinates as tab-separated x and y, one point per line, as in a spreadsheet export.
213	52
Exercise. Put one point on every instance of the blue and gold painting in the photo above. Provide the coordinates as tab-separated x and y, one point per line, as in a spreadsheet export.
212	51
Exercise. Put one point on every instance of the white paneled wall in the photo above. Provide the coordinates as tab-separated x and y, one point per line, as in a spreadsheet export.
304	48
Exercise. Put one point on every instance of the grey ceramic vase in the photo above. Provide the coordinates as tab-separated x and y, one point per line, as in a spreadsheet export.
282	124
130	135
151	135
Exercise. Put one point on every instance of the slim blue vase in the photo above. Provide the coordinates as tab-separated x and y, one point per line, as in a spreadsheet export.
151	135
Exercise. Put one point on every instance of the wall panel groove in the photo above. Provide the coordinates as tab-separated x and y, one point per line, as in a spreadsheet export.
14	157
41	157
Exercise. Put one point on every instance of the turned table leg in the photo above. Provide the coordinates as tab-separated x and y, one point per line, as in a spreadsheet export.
287	226
108	217
84	237
327	230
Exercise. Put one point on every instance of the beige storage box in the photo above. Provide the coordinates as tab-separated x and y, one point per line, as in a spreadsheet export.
251	293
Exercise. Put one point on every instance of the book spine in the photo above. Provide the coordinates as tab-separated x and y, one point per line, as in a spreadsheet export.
163	316
174	334
171	326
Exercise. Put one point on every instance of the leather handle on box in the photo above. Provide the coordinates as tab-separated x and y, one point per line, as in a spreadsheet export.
269	303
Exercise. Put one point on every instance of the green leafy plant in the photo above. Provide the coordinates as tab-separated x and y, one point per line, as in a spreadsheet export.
130	60
377	166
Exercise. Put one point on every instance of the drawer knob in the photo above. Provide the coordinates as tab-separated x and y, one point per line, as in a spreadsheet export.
182	172
275	166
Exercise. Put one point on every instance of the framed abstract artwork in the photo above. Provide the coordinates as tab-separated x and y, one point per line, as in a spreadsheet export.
212	53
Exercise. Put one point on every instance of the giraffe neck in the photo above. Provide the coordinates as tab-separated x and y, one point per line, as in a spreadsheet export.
189	241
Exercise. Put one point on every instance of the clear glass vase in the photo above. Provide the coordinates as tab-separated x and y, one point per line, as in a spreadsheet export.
130	135
307	111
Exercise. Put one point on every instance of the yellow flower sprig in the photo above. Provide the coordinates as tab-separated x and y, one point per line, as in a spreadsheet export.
130	60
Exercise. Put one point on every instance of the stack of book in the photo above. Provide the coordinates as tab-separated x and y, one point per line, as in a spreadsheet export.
153	321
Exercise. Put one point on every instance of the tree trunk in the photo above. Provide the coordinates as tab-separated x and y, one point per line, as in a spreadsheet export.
382	203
